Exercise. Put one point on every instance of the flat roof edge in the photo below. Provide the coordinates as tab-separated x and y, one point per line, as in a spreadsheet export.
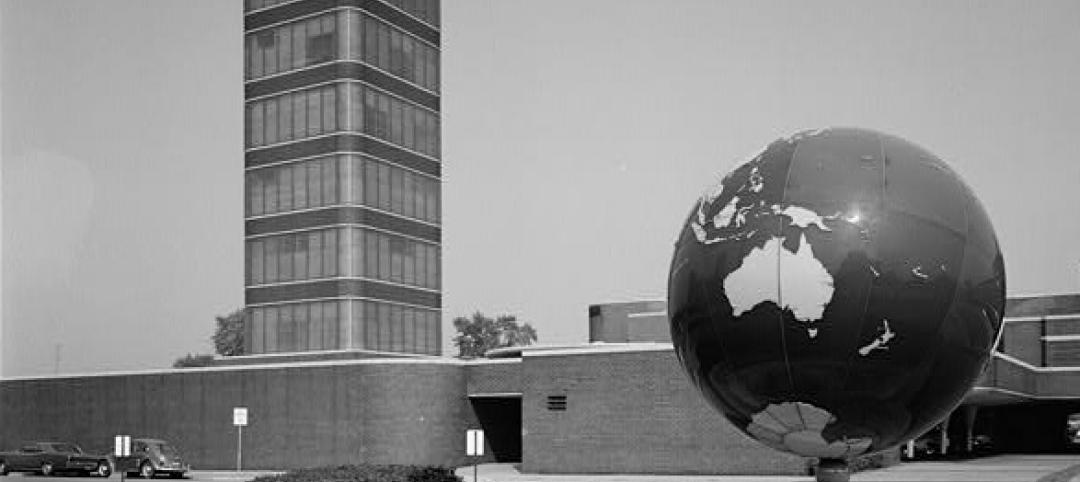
243	367
495	395
601	349
1029	396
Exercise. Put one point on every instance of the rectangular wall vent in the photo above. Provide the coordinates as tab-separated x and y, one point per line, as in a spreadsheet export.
556	403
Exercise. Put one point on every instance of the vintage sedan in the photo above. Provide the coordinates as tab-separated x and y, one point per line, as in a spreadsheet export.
48	458
150	457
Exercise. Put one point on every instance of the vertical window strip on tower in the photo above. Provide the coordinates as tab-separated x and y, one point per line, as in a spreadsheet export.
425	10
342	252
294	45
320	39
306	326
321	325
321	110
324	181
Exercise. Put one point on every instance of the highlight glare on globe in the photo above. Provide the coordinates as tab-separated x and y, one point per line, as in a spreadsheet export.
837	294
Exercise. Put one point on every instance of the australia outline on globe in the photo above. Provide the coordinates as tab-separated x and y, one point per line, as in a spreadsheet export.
803	285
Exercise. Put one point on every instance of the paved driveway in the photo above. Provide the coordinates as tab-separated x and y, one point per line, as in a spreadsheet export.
1002	468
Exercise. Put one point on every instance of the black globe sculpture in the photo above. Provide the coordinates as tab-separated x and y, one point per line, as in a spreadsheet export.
836	295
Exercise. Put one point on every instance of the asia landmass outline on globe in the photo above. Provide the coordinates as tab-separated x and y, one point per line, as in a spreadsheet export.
806	300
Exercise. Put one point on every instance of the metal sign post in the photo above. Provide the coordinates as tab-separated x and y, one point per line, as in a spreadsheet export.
474	447
240	419
122	448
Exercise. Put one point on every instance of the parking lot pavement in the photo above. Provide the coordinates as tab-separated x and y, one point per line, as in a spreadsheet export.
195	475
1002	468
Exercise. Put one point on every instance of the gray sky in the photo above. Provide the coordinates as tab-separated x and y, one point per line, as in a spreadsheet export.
576	135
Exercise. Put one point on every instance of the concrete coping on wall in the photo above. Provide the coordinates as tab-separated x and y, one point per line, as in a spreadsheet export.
1008	395
1031	318
261	366
492	361
528	351
1027	366
599	348
516	352
298	354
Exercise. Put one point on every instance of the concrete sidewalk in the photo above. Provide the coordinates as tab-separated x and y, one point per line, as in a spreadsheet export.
1002	468
509	473
228	475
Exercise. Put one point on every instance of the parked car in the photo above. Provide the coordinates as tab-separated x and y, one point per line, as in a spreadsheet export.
48	458
926	447
982	444
150	457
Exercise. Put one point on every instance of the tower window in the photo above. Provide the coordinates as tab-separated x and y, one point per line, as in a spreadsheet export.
266	39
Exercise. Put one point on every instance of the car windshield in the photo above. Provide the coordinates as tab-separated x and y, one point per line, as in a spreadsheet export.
167	450
66	448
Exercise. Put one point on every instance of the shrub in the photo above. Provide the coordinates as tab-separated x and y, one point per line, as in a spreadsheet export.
194	361
366	473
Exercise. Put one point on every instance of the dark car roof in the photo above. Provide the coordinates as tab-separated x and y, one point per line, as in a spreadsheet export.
51	443
150	440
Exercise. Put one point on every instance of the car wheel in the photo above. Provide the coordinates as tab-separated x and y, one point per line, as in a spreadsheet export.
146	470
46	468
103	469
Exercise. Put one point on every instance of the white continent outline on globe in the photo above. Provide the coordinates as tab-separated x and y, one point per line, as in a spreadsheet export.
726	215
796	427
798	281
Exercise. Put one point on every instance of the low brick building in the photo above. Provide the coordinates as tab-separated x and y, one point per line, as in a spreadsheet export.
590	408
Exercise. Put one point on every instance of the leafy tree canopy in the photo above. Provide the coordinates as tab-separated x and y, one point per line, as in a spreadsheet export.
479	334
228	341
229	335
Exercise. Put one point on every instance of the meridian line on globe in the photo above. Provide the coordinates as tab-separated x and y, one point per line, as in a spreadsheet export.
807	301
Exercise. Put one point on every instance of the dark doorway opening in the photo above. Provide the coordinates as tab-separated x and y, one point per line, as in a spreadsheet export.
1033	427
500	417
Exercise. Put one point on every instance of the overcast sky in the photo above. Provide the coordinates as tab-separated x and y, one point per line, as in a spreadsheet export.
576	135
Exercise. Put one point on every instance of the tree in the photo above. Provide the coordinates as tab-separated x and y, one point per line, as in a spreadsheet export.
228	341
192	361
229	336
480	334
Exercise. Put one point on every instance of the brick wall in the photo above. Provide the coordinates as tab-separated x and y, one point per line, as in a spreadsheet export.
1023	340
301	415
1062	344
631	412
494	376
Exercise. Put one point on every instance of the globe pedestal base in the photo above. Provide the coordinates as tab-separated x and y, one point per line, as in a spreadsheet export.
833	470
